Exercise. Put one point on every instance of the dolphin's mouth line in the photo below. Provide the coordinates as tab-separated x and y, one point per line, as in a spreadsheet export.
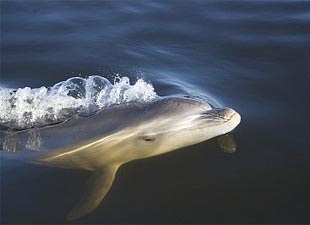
209	115
223	119
220	122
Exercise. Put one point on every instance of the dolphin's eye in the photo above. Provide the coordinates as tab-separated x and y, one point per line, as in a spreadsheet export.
148	138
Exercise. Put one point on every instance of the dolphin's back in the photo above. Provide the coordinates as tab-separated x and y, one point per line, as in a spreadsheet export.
70	134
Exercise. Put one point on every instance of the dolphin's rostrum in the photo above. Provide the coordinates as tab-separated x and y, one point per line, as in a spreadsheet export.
101	143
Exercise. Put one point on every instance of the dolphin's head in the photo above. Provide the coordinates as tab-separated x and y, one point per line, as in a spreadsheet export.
173	123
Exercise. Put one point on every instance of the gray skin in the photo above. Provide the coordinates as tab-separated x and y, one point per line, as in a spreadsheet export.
119	134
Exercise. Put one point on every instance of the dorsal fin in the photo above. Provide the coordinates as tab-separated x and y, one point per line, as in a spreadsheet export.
97	187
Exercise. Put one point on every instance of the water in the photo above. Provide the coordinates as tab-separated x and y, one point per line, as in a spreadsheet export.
252	56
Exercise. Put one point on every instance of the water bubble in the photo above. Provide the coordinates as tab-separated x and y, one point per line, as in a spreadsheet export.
74	87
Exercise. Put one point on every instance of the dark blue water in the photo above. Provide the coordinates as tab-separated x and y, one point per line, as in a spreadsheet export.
252	56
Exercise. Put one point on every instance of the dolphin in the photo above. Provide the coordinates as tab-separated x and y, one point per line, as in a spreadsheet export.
118	134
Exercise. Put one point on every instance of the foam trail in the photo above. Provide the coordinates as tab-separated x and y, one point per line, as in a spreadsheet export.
27	107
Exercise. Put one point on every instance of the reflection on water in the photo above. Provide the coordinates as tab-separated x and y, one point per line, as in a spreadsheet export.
34	141
227	143
11	142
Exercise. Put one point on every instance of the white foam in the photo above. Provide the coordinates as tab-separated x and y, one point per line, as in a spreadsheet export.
26	107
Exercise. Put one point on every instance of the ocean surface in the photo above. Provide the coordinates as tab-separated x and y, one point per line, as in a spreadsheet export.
252	56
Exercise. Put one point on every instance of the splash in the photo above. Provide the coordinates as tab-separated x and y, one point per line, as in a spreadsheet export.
25	107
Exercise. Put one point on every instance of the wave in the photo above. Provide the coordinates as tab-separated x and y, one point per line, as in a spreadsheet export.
27	107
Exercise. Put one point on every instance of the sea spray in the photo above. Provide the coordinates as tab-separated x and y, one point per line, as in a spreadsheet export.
33	107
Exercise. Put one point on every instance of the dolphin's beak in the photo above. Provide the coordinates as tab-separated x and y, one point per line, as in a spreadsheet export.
226	117
232	117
